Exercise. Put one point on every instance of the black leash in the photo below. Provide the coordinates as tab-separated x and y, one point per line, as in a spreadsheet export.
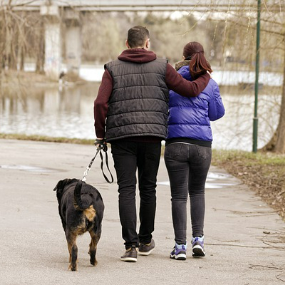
99	150
107	164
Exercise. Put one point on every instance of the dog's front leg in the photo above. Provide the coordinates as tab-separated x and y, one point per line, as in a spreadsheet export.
73	251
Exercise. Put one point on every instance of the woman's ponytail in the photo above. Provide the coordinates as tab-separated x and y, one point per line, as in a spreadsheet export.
198	64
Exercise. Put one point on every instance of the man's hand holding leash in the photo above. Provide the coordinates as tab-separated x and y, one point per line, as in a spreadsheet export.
101	145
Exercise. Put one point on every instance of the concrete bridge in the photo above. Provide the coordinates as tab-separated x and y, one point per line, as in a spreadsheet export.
144	5
56	10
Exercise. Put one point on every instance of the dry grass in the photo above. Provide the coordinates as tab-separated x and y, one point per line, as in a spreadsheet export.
45	139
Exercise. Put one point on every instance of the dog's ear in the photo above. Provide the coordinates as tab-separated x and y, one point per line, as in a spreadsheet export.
62	183
59	188
59	185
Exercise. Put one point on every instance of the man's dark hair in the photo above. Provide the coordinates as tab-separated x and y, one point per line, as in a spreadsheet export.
137	36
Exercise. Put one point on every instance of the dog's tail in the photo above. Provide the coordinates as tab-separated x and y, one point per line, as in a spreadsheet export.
77	197
86	206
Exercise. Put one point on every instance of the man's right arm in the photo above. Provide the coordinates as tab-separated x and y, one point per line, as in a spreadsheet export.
177	83
101	104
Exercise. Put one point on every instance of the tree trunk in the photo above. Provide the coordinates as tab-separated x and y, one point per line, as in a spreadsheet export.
11	42
277	142
270	146
40	52
13	48
280	140
2	40
21	42
22	58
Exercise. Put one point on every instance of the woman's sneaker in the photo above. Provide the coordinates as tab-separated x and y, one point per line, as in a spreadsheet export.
198	246
179	252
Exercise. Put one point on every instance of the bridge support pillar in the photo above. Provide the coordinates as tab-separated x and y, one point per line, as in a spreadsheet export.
53	43
73	41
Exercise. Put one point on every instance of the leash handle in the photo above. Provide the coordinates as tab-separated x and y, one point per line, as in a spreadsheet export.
99	150
107	164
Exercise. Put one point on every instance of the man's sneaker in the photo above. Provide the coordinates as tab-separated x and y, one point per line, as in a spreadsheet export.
198	246
146	248
130	254
179	252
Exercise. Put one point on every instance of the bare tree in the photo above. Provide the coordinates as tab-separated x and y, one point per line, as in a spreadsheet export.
277	142
21	35
241	40
277	31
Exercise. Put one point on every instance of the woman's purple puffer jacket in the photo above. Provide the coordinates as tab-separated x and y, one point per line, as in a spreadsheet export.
190	117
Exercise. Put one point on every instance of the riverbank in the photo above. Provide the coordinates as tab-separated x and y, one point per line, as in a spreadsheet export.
263	172
29	79
45	139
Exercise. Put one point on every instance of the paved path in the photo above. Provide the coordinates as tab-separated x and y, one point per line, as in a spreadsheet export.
245	239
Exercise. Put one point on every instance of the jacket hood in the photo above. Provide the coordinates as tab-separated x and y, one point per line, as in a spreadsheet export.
184	71
138	55
181	63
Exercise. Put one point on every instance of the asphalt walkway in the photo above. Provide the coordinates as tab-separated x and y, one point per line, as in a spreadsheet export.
244	238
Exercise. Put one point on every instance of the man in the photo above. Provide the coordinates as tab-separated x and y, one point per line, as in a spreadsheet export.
131	112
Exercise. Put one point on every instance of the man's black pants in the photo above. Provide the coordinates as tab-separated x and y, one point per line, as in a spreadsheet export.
129	156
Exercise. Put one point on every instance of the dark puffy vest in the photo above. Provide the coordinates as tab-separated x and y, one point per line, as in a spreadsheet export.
138	105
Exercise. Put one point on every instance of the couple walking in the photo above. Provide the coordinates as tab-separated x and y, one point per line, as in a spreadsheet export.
141	101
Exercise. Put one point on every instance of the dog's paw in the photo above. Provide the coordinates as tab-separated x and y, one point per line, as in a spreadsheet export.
93	260
94	263
72	267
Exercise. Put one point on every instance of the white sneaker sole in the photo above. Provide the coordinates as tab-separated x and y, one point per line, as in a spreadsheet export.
129	259
145	253
197	251
181	256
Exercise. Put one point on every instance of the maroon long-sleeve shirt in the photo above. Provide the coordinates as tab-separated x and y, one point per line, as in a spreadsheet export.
173	80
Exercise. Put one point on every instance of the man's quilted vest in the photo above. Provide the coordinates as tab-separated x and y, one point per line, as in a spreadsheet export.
138	105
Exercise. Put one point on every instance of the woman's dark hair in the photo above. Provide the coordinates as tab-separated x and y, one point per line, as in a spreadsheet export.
137	36
198	65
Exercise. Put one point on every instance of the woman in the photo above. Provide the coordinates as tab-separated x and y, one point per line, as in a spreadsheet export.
188	150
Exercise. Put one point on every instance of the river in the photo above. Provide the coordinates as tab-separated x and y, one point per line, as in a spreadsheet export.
68	112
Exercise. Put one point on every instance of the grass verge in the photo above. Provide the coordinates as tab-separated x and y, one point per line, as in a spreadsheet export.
46	139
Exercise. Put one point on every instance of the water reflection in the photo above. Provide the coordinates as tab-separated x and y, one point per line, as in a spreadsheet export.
69	113
234	130
58	113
